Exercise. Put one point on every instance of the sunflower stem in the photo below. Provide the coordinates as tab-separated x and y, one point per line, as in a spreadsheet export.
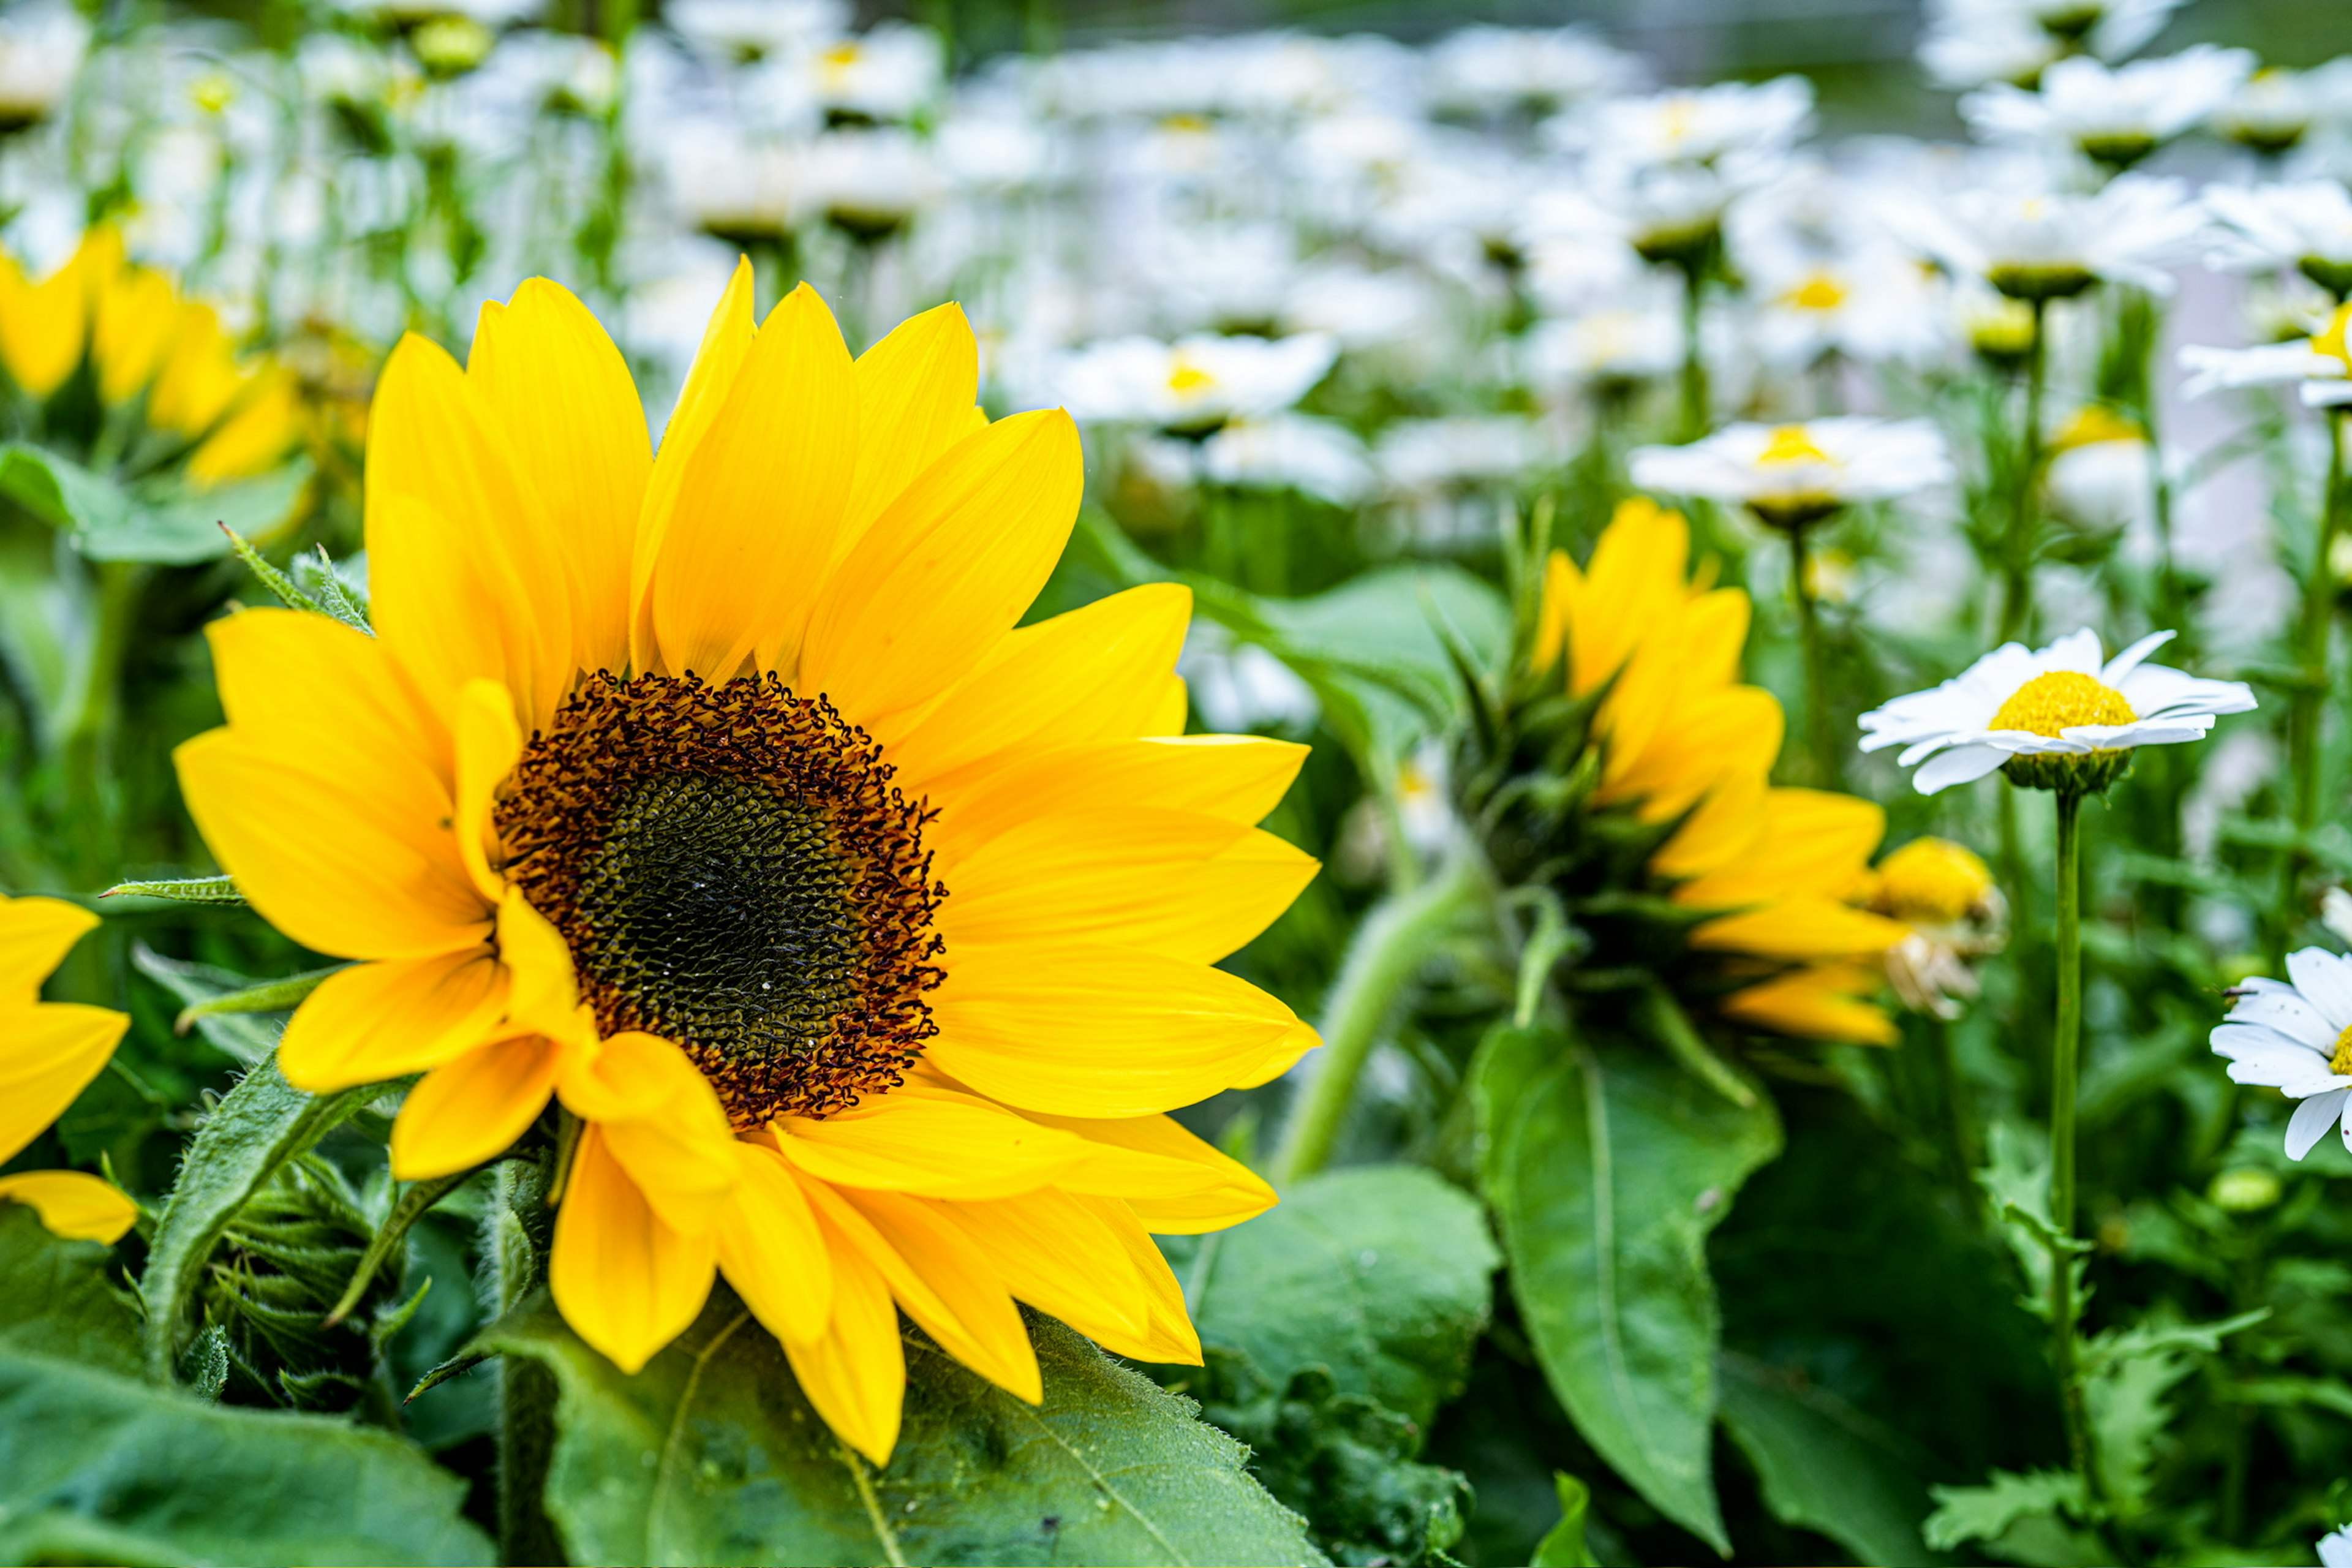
2065	1053
1821	738
2303	726
1396	936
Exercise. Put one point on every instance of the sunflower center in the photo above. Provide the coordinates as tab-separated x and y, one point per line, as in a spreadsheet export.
733	871
2341	1062
2054	703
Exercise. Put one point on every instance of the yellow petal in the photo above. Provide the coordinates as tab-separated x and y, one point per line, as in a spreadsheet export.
626	1282
1052	1251
1238	778
759	504
258	434
1100	1031
946	569
936	1144
73	1206
1168	709
472	1109
726	340
489	745
35	935
379	1021
855	1372
309	680
662	1122
1093	674
1801	928
771	1249
1823	1003
200	378
941	1278
1168	1336
1177	1184
546	995
546	367
1814	842
1177	883
44	326
348	854
49	1054
138	311
469	579
915	389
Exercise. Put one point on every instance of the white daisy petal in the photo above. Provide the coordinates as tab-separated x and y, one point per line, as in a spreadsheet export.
2311	1119
2315	1083
2078	651
2246	1041
1964	764
2325	982
2282	1009
2132	657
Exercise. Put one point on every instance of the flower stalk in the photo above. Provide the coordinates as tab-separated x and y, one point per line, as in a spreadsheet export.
2304	709
1820	737
2017	559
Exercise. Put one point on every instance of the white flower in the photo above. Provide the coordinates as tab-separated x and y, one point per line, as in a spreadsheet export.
1424	455
869	183
2045	243
2336	1549
1791	475
2116	116
2322	363
2272	111
1193	386
1730	121
1871	305
1240	687
888	74
2305	224
41	47
1640	337
1358	307
1487	69
2297	1039
2101	474
1969	42
1289	451
2058	701
726	185
748	30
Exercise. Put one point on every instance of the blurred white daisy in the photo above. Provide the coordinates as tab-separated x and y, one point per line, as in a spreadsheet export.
41	47
2056	717
888	74
1487	71
2305	224
2041	244
1289	451
753	30
2297	1039
2101	473
1725	120
2113	115
2322	363
2272	111
869	183
1192	386
2336	1549
1792	475
1969	42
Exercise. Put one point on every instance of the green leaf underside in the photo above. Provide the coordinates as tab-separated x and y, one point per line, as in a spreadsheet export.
247	1038
1382	1274
180	890
1607	1166
1823	1464
170	525
712	1455
257	1126
1981	1514
98	1467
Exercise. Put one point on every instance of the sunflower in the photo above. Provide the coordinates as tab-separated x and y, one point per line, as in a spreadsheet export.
863	939
1668	843
49	1053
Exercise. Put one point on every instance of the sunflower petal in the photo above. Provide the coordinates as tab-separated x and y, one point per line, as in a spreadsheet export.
299	679
1176	1183
35	935
661	1121
379	1021
771	1249
943	1280
855	1372
488	746
915	389
938	1145
471	1109
49	1054
625	1281
726	340
1052	1251
76	1206
1238	778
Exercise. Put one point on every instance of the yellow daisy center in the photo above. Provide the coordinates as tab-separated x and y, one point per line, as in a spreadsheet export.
2341	1062
1819	292
1931	882
733	870
1792	443
1185	375
2331	339
2096	422
2054	703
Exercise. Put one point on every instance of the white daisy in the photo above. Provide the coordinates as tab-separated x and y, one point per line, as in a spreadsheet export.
1792	475
2114	116
2056	715
2336	1549
2305	224
2322	363
2033	243
2297	1039
1192	386
1484	70
41	47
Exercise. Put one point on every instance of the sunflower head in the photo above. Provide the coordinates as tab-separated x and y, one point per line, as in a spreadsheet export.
1624	771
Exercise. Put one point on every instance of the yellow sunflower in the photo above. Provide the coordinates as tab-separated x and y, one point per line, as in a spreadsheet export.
49	1053
1684	744
863	939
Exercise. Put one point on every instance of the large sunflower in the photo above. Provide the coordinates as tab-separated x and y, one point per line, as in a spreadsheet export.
862	939
49	1053
1760	880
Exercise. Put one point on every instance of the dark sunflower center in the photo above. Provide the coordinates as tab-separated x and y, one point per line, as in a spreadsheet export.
733	871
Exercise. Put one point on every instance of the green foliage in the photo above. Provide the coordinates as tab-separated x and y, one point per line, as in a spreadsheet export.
160	523
1822	1464
711	1455
1608	1166
1563	1545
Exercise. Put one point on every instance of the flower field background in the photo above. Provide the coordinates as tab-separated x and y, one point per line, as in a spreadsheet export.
1809	655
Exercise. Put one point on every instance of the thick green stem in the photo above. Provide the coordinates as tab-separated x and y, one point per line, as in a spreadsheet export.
2304	752
1821	735
2017	557
2066	1066
1390	946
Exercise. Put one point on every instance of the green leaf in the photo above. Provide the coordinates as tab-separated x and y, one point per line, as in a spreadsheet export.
101	1468
1980	1514
180	890
57	1298
1607	1166
1824	1466
199	988
1382	1274
1563	1545
712	1455
60	491
256	1129
176	524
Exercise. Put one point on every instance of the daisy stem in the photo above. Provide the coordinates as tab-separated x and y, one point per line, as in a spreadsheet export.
2017	567
2065	1055
1396	937
1824	739
1692	416
2303	734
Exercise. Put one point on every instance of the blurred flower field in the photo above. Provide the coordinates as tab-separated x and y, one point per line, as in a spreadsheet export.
771	791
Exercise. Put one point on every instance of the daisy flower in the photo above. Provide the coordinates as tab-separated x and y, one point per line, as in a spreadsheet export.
2295	1036
2113	115
1945	893
1794	475
1195	386
2305	225
2039	244
2321	364
49	1053
41	47
2336	1549
2055	717
711	795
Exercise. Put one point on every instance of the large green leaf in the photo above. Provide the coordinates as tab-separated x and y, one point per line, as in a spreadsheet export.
257	1126
60	491
1824	1466
1608	1166
178	524
712	1455
95	1467
1382	1274
58	1297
